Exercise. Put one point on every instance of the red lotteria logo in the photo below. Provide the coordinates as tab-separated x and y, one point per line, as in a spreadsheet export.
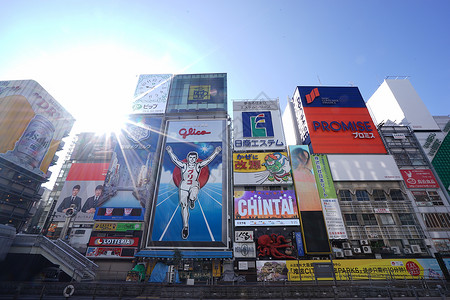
312	96
192	131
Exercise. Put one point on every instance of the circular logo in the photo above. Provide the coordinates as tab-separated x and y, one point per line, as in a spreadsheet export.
412	268
411	181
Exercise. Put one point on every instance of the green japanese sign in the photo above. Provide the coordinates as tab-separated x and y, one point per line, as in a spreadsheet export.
324	179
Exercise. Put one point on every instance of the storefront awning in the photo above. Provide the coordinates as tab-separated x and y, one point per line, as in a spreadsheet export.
185	254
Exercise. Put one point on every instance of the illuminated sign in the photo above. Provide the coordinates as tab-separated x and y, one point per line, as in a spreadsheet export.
257	126
100	226
114	241
199	92
419	178
110	252
265	208
261	168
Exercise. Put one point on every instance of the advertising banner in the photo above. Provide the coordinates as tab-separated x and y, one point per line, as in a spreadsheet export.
309	204
365	269
191	204
330	204
257	126
83	191
269	168
274	270
243	236
419	178
265	208
32	125
152	92
114	241
244	250
363	168
339	121
131	176
122	226
92	147
110	252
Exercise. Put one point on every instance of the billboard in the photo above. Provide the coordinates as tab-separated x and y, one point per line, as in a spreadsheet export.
363	168
152	92
244	250
110	252
198	92
338	121
269	168
368	269
117	226
83	190
114	241
265	208
130	181
257	126
190	209
330	204
32	125
315	238
92	147
419	178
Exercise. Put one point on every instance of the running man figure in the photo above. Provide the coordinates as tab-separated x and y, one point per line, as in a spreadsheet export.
189	184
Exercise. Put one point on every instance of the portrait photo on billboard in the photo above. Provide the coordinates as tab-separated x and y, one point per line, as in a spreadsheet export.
82	192
32	125
190	206
129	183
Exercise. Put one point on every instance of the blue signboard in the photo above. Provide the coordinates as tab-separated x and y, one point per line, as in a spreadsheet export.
313	96
299	241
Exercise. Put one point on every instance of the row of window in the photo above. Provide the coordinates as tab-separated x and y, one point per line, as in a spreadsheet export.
385	219
377	195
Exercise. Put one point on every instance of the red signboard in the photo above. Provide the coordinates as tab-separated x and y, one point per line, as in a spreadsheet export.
114	241
110	252
343	130
419	178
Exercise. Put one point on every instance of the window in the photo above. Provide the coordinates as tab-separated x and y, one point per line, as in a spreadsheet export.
437	220
362	195
345	195
427	198
369	219
386	219
396	195
406	219
379	195
351	219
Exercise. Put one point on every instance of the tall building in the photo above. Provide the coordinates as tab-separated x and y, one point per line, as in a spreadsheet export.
32	126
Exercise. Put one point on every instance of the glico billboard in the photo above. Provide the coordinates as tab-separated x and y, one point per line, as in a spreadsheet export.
338	120
191	202
32	125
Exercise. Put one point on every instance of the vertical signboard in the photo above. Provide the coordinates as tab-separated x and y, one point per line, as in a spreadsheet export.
191	203
152	92
32	125
130	179
83	191
92	147
257	126
330	204
311	215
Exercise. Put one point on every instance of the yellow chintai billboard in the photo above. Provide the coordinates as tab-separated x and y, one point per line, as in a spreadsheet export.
32	125
364	269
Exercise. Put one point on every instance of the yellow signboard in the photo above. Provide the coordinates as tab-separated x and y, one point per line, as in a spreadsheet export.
199	92
261	168
364	269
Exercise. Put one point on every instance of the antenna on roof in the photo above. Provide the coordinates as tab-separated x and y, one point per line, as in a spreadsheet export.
319	80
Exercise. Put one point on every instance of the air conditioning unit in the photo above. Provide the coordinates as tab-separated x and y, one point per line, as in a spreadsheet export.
340	254
364	242
407	251
416	249
348	253
367	249
357	250
346	246
396	249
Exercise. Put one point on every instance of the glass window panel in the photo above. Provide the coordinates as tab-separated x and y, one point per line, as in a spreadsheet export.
362	195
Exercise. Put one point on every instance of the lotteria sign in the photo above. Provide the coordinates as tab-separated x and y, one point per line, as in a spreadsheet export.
338	121
114	241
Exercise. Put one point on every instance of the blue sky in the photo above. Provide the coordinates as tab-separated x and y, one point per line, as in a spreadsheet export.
87	54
